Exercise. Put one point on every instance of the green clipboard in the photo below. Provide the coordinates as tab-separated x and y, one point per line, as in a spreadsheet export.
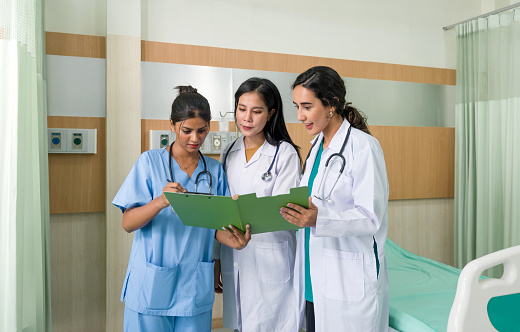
262	213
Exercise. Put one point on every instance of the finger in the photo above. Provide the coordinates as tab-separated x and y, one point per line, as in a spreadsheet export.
236	232
292	213
296	207
248	233
311	204
292	220
229	233
179	187
235	196
175	186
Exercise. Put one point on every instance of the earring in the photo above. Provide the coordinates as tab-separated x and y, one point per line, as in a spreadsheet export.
331	114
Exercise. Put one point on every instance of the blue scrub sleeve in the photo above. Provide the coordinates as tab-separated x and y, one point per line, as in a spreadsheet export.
222	189
137	188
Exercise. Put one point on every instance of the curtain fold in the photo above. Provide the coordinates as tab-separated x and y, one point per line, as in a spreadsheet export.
487	142
24	189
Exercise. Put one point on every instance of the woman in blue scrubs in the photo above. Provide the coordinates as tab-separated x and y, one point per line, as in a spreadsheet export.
169	281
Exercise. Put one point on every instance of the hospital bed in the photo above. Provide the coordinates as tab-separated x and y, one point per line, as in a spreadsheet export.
422	293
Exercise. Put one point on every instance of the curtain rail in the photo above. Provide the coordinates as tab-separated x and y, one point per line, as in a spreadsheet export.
484	15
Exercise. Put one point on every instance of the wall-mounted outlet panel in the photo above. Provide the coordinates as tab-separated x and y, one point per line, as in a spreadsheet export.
67	140
232	136
160	139
56	138
216	141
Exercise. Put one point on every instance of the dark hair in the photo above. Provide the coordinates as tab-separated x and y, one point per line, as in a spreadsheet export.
329	87
189	104
275	130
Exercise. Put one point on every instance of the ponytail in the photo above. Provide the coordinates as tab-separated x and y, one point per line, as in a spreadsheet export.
356	118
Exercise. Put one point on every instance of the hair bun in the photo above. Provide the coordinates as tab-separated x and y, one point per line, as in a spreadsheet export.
186	89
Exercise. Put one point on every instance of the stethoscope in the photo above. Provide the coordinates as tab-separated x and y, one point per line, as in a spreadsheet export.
343	162
267	176
205	171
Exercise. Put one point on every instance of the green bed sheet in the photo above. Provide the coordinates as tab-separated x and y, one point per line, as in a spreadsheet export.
421	291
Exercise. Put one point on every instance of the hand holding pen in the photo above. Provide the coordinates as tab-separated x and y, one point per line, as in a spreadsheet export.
172	187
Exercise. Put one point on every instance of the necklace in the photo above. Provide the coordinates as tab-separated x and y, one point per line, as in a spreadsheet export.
184	167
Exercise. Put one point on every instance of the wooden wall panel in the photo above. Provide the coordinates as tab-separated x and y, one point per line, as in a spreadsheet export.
77	181
75	45
94	46
289	63
420	161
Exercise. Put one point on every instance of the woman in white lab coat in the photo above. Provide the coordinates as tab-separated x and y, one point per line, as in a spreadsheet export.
341	253
257	281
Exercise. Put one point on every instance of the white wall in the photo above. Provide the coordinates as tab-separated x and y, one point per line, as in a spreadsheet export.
398	31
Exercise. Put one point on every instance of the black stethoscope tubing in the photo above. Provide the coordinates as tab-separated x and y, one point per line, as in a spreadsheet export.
205	171
267	175
337	154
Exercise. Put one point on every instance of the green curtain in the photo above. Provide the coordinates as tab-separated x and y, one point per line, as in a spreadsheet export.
24	189
487	142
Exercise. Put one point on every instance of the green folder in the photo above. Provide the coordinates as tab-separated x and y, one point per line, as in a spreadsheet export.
262	213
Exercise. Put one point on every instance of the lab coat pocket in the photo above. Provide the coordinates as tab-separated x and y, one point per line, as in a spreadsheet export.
338	189
205	288
158	288
344	277
272	262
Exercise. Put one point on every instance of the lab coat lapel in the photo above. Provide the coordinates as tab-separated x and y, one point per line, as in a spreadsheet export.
311	160
266	149
337	140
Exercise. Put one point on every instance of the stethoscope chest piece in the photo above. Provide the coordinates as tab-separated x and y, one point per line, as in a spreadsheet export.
267	176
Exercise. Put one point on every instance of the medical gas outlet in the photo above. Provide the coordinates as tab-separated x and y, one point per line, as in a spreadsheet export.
66	140
160	139
215	142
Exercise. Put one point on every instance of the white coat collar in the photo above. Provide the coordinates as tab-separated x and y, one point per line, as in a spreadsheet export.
238	144
266	148
339	137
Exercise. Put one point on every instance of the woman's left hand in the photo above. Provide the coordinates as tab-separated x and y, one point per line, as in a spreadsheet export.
233	237
300	216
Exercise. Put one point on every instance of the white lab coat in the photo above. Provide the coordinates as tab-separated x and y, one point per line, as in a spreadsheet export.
348	294
259	292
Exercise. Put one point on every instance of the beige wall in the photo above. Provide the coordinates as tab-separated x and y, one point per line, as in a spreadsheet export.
78	270
423	227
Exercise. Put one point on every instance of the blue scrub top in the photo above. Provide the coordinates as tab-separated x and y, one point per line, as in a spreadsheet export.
170	270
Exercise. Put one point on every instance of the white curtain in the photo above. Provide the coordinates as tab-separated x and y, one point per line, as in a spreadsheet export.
24	189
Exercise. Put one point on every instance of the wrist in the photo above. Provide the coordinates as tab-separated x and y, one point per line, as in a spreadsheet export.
161	202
